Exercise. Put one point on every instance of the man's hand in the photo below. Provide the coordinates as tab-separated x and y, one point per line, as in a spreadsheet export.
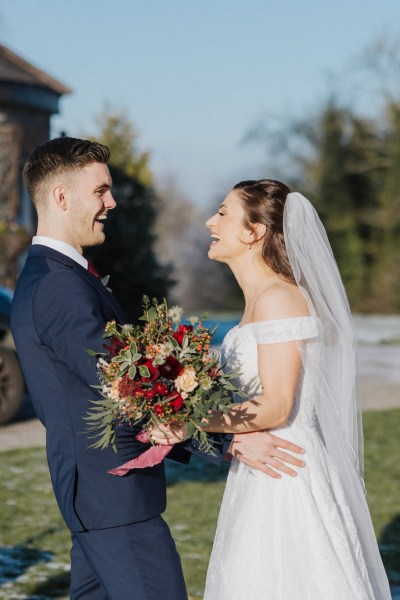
262	450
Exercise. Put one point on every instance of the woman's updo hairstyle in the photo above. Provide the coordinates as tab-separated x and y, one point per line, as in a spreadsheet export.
264	202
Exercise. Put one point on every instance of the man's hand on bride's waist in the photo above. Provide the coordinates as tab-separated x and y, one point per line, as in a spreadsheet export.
266	452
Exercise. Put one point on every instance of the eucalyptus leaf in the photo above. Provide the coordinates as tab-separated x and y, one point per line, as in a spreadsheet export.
144	371
121	358
132	371
152	314
91	352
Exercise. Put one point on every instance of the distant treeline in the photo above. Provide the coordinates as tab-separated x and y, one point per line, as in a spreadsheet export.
346	163
353	178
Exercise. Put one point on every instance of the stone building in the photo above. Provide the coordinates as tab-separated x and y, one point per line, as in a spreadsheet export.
28	98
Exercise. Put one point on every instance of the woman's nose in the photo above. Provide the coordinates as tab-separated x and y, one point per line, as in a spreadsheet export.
209	222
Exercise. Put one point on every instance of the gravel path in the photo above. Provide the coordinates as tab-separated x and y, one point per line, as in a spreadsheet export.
22	434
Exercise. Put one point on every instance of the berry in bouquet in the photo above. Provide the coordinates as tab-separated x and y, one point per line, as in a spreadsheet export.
160	372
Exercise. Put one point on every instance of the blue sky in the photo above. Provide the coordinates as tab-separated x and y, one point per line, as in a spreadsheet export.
194	75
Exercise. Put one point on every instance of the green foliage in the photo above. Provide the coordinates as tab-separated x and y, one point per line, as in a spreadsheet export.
385	280
345	156
351	173
128	253
118	133
344	193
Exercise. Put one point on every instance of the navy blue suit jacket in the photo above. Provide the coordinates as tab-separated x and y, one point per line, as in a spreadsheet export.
59	309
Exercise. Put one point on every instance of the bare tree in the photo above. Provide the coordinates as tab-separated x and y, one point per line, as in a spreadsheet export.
183	242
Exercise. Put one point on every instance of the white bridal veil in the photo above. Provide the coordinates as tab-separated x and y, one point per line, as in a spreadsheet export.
332	366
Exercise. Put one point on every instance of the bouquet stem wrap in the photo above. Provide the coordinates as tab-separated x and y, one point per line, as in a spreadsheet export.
153	456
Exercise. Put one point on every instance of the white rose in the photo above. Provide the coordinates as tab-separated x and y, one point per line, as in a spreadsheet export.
186	381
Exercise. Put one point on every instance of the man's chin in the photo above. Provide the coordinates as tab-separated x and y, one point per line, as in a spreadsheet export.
97	241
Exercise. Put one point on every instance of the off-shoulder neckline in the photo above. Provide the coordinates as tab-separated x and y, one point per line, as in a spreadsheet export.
238	326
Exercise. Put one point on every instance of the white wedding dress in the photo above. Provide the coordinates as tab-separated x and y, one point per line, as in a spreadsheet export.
292	538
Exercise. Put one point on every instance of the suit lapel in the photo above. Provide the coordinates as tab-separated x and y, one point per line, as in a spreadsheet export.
37	250
102	290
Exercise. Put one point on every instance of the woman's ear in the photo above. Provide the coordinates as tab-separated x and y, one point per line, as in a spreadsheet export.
259	231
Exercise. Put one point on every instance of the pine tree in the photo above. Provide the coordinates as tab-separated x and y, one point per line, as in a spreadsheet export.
385	282
128	254
335	195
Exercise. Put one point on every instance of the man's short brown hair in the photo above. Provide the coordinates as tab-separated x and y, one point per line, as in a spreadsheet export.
57	156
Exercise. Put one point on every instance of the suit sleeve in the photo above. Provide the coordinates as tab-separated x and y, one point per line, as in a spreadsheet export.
69	318
221	444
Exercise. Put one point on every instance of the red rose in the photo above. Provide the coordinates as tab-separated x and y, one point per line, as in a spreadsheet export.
153	370
160	388
171	368
113	347
180	333
158	409
177	401
149	394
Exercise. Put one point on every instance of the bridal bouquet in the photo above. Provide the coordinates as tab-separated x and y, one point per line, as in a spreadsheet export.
159	372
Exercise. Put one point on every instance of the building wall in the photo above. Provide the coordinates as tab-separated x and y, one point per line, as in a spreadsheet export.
21	130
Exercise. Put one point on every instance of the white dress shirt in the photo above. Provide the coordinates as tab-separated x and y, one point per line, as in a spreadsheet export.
62	247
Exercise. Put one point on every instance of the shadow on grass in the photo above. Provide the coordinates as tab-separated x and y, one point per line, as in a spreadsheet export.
54	587
199	469
15	560
389	546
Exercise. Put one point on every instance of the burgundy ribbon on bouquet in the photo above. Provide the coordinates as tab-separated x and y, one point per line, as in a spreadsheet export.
153	456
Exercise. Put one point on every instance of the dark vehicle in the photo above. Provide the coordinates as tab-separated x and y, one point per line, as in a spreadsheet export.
12	384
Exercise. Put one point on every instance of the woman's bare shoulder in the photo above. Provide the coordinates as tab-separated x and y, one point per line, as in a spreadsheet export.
280	300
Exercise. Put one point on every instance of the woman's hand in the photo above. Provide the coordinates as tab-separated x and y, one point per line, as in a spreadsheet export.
168	434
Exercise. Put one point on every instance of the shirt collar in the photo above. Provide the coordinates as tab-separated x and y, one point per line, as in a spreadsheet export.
62	247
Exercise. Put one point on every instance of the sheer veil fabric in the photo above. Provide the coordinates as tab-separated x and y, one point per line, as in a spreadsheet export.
333	367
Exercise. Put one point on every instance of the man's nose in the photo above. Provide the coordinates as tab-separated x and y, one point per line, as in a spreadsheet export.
110	202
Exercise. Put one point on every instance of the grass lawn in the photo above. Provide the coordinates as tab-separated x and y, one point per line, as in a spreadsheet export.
34	544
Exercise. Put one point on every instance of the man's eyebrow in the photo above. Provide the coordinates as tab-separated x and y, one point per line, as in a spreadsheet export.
103	186
224	206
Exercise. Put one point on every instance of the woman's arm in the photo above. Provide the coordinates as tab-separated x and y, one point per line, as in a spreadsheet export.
278	367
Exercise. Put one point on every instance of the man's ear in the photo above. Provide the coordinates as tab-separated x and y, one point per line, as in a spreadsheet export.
59	196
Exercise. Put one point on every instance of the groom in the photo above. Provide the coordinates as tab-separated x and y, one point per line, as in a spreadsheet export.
121	547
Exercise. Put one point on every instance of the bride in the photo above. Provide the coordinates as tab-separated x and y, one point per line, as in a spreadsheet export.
309	537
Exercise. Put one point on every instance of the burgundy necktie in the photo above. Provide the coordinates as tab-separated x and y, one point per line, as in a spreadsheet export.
92	269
